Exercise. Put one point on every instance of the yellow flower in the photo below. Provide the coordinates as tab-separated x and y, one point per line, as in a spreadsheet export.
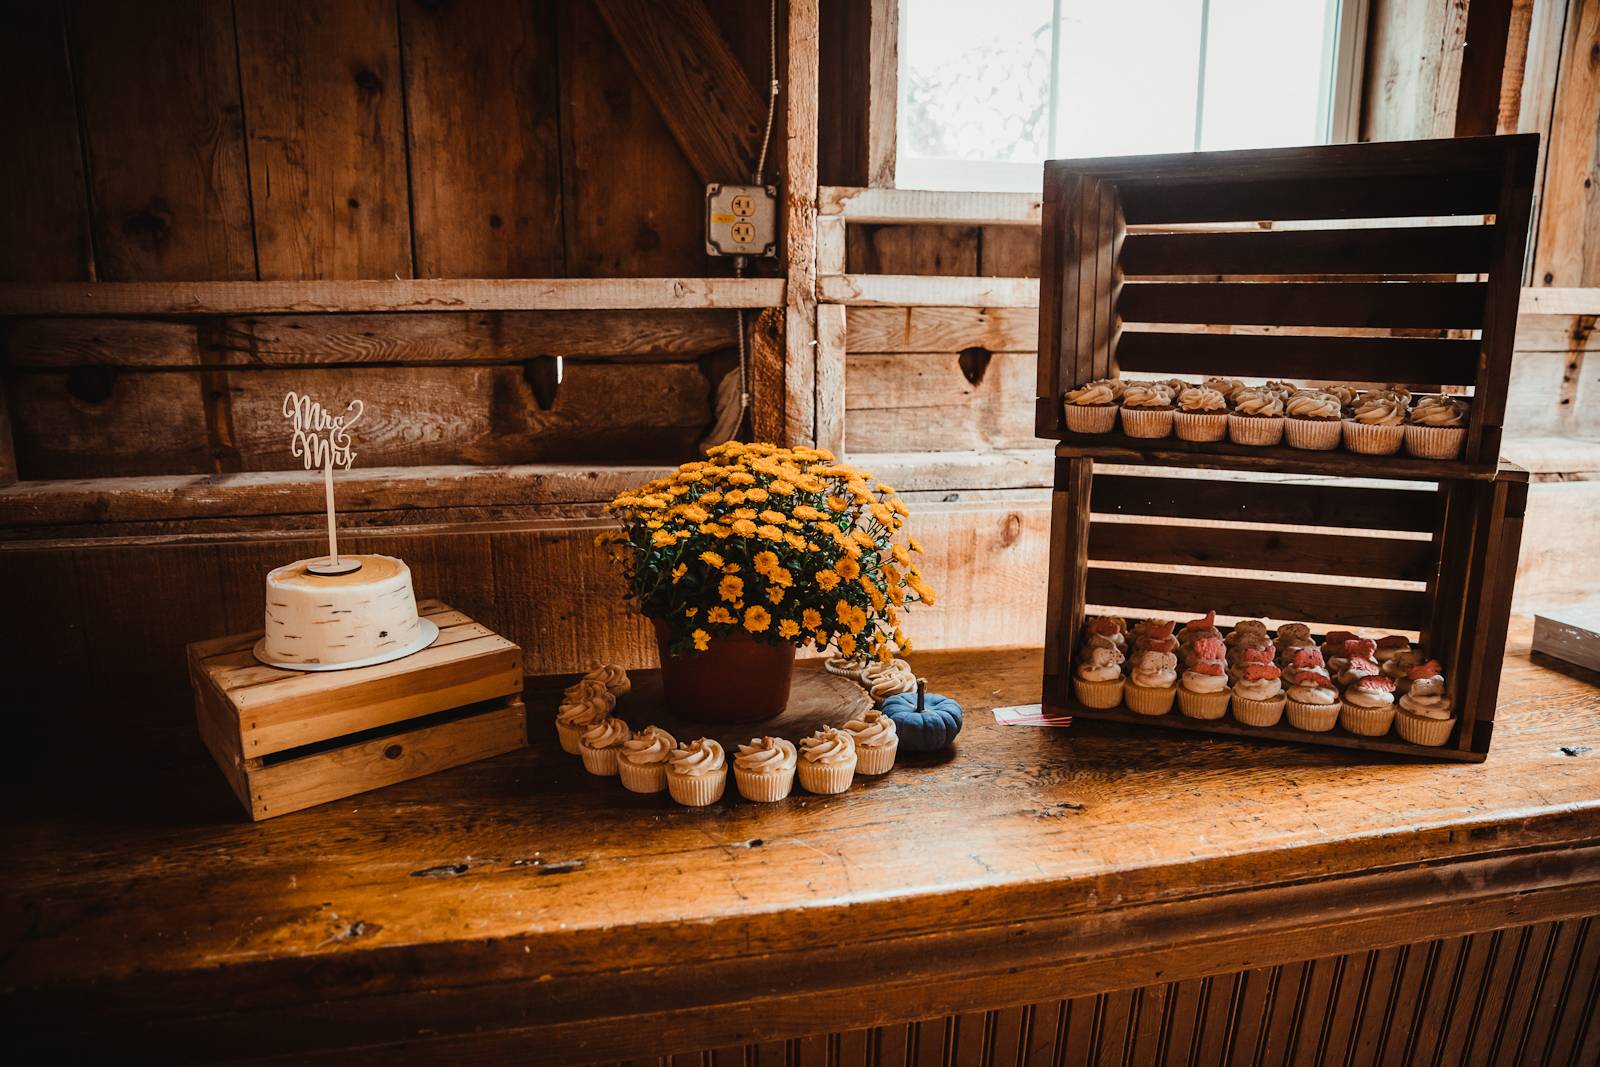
900	555
812	618
837	503
807	512
719	614
701	640
730	568
787	629
863	538
781	487
744	527
757	494
679	571
735	496
741	478
882	488
663	538
918	586
695	513
765	562
899	507
756	619
776	517
782	577
770	533
731	588
847	645
827	579
775	593
916	546
712	497
744	513
690	613
795	541
711	559
847	568
882	514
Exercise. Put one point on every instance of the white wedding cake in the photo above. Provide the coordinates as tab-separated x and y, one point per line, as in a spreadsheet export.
317	621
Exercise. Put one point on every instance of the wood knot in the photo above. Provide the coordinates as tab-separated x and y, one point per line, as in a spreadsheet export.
974	363
444	870
1011	529
149	228
368	81
393	752
91	385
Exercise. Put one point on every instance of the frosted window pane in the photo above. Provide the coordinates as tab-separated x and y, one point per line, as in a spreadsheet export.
1264	73
1129	73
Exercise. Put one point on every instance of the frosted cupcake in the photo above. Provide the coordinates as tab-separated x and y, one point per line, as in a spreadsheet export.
1368	707
1203	693
1110	631
1347	395
851	667
1356	664
612	676
1436	428
1091	408
1377	425
1147	409
1226	386
827	761
601	744
1313	420
642	763
1097	680
1256	418
697	773
1258	698
1313	702
1291	638
764	769
1153	684
1397	668
884	680
876	740
1202	415
584	705
1425	716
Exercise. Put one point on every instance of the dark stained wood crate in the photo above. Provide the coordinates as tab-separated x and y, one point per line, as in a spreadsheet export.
1432	560
1146	268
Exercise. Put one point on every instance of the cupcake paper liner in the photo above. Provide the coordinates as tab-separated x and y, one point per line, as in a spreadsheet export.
1316	435
569	737
1147	422
1373	440
646	778
1200	426
1318	718
1102	695
1435	442
764	787
601	761
1084	419
1203	705
876	759
697	790
1258	712
1367	722
1421	730
1149	699
826	778
1262	430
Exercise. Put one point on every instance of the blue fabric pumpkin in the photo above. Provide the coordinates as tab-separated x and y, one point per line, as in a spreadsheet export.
925	722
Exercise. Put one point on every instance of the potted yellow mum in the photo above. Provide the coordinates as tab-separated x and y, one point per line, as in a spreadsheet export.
755	551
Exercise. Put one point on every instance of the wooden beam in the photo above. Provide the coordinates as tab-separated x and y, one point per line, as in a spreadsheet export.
8	452
800	225
883	90
830	377
695	80
1537	301
913	290
422	294
1487	56
920	205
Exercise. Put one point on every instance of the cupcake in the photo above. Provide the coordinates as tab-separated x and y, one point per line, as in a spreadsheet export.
1333	642
642	763
1368	707
601	744
1424	716
876	741
1153	684
1091	408
1204	691
1202	415
1357	663
1226	386
1313	420
584	705
1258	696
1347	395
764	769
827	761
851	667
1155	635
1097	680
1313	702
1147	409
1436	428
697	773
1108	631
1280	389
1256	418
1291	638
1376	426
1245	628
1397	668
884	680
612	676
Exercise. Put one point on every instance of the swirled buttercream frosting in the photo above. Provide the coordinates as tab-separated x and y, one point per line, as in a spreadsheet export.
699	757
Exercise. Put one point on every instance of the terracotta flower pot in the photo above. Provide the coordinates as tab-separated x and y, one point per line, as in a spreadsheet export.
736	679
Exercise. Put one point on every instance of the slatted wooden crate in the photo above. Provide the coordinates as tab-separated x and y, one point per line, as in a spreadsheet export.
287	740
1395	262
1435	561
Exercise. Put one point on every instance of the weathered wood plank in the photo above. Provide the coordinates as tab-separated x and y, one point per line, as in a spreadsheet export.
903	401
899	290
800	224
1567	252
887	205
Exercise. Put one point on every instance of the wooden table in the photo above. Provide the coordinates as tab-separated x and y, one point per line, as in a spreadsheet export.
1045	896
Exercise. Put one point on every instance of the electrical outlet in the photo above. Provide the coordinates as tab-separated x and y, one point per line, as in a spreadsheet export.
741	220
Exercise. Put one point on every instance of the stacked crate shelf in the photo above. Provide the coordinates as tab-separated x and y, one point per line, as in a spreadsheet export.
1378	263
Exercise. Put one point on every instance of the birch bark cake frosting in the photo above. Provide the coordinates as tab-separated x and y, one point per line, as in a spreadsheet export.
316	621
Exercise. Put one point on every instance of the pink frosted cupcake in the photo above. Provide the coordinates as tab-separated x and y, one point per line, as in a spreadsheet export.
1377	425
642	763
1202	415
1147	410
1313	420
601	744
1313	702
1368	707
1256	418
827	761
1203	692
1091	408
764	769
1436	428
1424	716
697	773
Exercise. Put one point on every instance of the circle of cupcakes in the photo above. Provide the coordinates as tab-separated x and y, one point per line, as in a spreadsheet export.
764	769
642	763
1152	685
612	676
1424	715
1202	415
1368	706
1313	420
697	773
884	680
1258	698
1312	700
1376	425
583	705
601	744
1147	409
1436	428
1203	692
1097	680
1092	407
827	761
876	739
1256	418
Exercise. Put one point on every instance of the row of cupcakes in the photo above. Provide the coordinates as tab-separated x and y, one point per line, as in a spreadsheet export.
1367	685
695	773
1376	422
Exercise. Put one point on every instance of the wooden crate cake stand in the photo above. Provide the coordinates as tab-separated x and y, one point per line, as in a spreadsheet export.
287	740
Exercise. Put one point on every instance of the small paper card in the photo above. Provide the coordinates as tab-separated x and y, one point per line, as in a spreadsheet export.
1029	715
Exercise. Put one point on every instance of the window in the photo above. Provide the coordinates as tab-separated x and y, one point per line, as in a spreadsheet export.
990	89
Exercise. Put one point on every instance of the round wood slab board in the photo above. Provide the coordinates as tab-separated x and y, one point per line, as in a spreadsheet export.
816	699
